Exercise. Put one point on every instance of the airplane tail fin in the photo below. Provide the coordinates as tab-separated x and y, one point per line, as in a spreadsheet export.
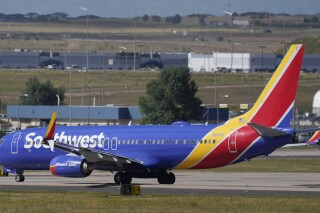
274	106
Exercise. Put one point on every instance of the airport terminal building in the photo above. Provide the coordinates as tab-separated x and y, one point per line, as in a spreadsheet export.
24	116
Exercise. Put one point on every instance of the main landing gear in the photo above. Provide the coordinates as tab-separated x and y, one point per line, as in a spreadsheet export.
166	178
19	178
163	177
123	178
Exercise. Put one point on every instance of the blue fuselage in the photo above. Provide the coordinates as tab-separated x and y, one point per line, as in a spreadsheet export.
156	147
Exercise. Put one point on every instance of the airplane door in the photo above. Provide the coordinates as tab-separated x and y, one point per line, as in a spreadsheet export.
14	143
232	142
106	144
114	143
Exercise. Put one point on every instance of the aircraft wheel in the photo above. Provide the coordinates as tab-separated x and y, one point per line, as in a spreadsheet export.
171	178
118	177
19	178
126	178
167	178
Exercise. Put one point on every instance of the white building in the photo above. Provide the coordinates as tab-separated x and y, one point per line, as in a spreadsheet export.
316	104
219	62
244	23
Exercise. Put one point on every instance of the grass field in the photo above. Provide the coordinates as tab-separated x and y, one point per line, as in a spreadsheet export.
108	34
46	201
109	87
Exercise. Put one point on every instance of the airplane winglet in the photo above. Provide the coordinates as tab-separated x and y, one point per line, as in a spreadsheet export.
51	127
265	131
50	132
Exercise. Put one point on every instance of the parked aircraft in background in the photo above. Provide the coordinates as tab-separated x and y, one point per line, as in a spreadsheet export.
315	139
152	151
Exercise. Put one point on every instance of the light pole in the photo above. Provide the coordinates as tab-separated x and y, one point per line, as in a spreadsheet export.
82	83
88	104
262	46
58	99
18	113
206	113
124	49
70	97
220	96
239	44
101	81
250	90
215	88
134	39
231	35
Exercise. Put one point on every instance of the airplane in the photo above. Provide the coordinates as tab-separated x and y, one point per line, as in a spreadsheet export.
153	151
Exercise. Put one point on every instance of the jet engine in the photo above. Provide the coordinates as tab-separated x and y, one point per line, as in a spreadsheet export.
70	166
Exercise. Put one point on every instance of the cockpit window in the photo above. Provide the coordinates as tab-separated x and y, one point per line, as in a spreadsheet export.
1	141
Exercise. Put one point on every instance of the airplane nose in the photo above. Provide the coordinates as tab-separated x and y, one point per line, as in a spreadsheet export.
2	140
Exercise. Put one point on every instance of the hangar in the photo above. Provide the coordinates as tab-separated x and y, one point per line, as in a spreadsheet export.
208	62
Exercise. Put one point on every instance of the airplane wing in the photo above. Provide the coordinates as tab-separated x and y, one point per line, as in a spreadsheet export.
95	156
91	155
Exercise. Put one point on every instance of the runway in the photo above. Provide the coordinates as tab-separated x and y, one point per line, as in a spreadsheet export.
190	182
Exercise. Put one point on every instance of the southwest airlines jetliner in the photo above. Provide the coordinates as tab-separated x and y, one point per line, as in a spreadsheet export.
153	151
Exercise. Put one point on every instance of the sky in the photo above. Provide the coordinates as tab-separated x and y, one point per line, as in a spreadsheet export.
128	8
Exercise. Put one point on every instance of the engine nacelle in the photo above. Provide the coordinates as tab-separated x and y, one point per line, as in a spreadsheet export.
70	166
